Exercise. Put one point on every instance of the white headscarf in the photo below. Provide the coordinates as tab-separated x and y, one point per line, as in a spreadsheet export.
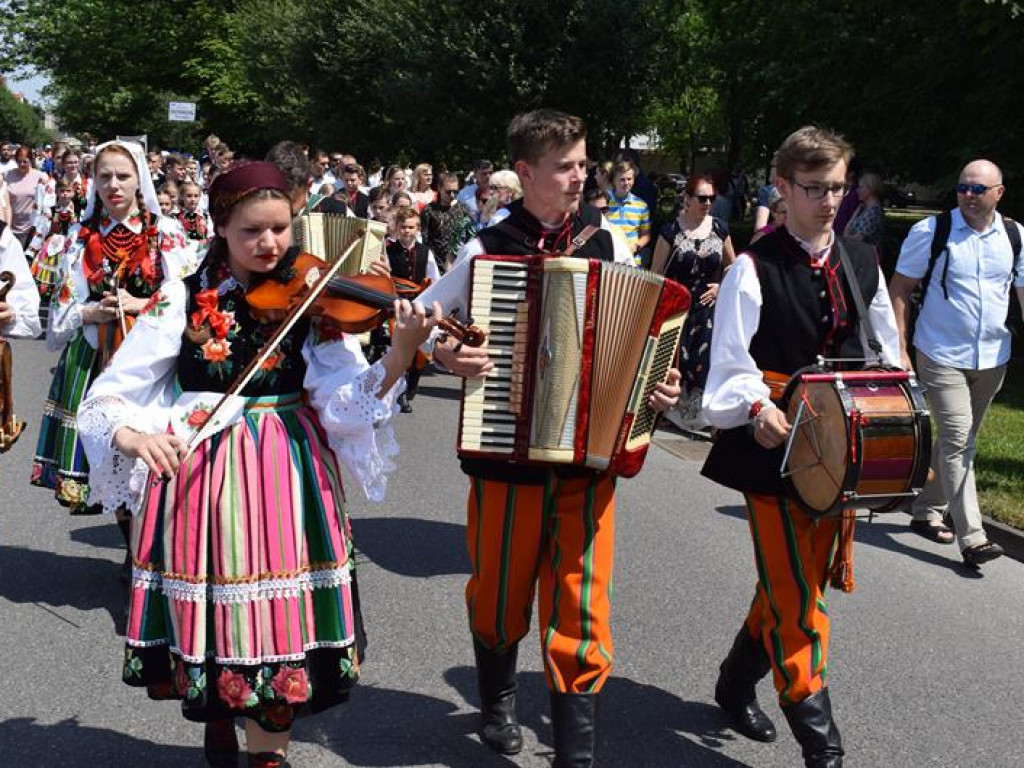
141	168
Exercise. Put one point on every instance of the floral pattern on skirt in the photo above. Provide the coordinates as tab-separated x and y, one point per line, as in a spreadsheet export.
243	599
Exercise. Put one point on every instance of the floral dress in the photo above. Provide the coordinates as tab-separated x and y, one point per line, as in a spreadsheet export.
243	598
198	229
695	263
138	254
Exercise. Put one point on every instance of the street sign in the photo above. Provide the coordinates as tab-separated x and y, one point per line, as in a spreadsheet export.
181	111
142	139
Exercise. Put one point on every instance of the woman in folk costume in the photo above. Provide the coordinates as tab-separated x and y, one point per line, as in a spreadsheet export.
243	602
113	262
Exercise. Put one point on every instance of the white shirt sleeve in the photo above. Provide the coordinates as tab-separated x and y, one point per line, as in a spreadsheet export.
343	388
71	294
433	273
23	297
734	381
883	320
136	390
916	251
623	254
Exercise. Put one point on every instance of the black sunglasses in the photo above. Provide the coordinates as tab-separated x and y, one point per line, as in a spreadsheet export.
705	198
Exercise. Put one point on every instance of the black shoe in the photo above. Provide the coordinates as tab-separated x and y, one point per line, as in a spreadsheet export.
404	405
220	744
812	725
574	722
981	553
496	682
736	689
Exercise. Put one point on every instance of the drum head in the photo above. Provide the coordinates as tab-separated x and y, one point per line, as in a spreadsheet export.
818	458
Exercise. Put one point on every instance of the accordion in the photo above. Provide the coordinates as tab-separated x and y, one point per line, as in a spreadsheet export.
578	346
327	235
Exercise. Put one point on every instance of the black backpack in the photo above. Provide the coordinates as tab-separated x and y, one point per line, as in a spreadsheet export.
940	238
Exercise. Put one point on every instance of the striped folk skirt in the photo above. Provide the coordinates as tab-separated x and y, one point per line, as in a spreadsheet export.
59	461
243	597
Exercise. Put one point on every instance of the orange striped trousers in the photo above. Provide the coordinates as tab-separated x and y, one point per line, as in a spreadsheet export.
793	552
558	540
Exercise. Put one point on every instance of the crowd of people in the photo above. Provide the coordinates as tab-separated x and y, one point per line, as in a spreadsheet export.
241	588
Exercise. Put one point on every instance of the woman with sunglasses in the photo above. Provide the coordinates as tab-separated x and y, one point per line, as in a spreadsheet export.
695	249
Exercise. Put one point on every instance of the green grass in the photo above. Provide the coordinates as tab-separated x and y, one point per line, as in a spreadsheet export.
999	465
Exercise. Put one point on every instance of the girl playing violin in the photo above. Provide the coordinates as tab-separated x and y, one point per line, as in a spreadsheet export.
244	602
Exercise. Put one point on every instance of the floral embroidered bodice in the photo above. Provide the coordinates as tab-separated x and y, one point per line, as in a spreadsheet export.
222	335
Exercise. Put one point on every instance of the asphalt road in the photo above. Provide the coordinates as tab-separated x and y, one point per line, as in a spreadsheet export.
927	665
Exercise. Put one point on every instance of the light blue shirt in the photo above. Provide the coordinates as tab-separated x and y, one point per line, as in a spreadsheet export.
967	331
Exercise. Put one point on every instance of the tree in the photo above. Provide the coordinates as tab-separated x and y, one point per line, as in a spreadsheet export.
20	122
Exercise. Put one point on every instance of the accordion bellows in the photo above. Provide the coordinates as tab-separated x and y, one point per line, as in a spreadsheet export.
327	235
578	346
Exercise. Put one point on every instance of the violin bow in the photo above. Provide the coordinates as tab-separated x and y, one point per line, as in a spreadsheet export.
211	425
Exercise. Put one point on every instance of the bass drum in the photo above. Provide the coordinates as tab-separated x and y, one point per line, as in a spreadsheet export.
860	440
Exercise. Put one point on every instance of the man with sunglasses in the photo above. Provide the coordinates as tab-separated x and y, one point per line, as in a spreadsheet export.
785	302
962	343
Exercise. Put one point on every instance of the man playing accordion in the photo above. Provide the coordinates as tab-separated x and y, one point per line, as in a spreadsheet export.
534	528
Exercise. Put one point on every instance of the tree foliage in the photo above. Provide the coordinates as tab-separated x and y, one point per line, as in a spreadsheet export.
20	122
918	86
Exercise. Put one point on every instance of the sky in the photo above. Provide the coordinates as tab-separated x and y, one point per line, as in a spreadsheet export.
31	86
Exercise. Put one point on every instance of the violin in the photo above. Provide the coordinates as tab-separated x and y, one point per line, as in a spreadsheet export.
354	304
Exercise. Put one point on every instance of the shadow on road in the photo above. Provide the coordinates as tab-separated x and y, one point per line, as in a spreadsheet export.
638	724
50	579
882	535
104	535
385	727
413	547
25	743
441	393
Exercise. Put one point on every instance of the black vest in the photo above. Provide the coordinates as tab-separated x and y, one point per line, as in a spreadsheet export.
408	265
805	312
522	235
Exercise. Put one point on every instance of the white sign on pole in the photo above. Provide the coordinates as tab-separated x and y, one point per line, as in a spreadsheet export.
142	139
181	111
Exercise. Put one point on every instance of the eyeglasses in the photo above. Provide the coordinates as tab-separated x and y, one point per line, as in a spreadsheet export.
974	189
705	198
818	191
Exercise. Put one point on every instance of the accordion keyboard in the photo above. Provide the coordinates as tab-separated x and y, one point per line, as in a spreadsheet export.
491	405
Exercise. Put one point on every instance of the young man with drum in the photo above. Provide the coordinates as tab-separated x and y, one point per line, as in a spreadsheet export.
532	528
784	303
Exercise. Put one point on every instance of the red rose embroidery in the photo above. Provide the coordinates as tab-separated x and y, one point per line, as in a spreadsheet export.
198	418
233	689
291	685
155	299
180	679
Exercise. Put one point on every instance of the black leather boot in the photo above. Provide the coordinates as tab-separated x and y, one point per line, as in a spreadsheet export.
812	724
124	526
412	383
496	681
574	720
736	690
220	744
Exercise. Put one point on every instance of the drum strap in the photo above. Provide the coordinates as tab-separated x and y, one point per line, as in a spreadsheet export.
858	299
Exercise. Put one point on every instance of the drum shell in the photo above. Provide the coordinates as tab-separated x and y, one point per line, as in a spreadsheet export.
873	438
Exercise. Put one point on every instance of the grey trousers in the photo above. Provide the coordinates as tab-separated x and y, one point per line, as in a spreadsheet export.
958	399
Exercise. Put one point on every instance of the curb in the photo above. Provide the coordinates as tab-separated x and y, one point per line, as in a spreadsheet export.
1010	539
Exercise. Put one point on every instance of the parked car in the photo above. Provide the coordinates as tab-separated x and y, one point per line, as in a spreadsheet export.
894	197
676	181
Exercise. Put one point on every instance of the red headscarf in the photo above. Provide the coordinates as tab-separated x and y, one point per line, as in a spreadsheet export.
243	179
